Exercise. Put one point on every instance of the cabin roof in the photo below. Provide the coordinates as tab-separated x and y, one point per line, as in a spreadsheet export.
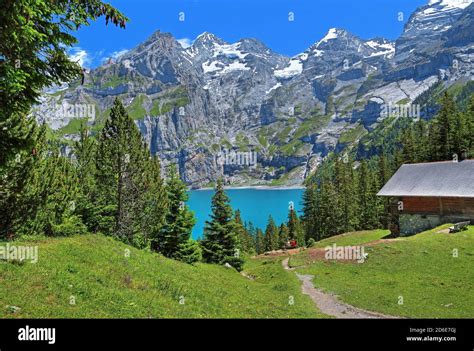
435	179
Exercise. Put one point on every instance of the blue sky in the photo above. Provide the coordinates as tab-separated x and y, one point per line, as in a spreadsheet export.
231	20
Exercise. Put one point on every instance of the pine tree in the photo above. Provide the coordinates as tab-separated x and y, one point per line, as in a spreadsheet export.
283	236
421	142
327	204
172	239
259	242
309	217
469	116
295	230
363	195
153	202
220	243
246	243
14	175
343	215
444	131
84	160
408	142
121	162
271	235
383	177
48	201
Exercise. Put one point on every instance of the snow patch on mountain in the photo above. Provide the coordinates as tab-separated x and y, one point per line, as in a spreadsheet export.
229	50
276	86
331	34
210	66
385	48
235	66
294	68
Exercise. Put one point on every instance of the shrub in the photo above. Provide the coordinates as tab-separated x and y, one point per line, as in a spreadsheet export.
189	252
70	226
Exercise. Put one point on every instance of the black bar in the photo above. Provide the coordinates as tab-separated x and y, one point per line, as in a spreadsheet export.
328	334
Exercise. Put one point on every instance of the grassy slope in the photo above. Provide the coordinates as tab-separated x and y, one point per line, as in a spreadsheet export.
353	238
421	268
346	239
105	283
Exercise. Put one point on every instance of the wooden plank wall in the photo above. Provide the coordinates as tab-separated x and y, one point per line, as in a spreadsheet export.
440	206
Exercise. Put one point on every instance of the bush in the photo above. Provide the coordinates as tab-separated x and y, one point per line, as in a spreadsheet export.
70	226
189	252
311	242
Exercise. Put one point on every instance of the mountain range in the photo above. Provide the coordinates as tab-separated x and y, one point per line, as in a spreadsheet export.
191	104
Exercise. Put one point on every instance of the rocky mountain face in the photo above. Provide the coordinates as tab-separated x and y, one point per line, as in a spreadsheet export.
211	106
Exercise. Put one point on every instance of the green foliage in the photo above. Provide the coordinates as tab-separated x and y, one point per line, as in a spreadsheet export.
69	226
271	239
295	230
34	40
178	223
221	241
128	181
245	235
189	252
283	236
259	242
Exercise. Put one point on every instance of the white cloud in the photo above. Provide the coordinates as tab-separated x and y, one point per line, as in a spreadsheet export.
119	53
80	56
185	42
115	55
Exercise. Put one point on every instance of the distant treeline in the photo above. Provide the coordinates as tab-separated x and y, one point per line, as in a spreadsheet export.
341	195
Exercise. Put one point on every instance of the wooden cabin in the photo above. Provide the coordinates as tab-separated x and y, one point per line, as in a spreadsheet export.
429	194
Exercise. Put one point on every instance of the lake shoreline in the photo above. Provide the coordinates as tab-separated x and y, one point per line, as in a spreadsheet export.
255	187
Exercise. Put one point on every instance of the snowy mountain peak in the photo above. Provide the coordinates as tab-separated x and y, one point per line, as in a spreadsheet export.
207	40
332	33
451	3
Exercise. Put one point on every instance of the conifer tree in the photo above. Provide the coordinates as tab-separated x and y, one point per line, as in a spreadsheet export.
271	235
259	242
172	239
152	202
309	217
220	243
327	203
121	162
444	131
283	236
48	201
343	215
295	231
246	243
84	159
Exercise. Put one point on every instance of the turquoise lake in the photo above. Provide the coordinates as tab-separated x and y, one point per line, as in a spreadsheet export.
255	205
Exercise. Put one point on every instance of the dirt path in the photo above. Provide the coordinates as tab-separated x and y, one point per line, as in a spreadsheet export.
329	303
